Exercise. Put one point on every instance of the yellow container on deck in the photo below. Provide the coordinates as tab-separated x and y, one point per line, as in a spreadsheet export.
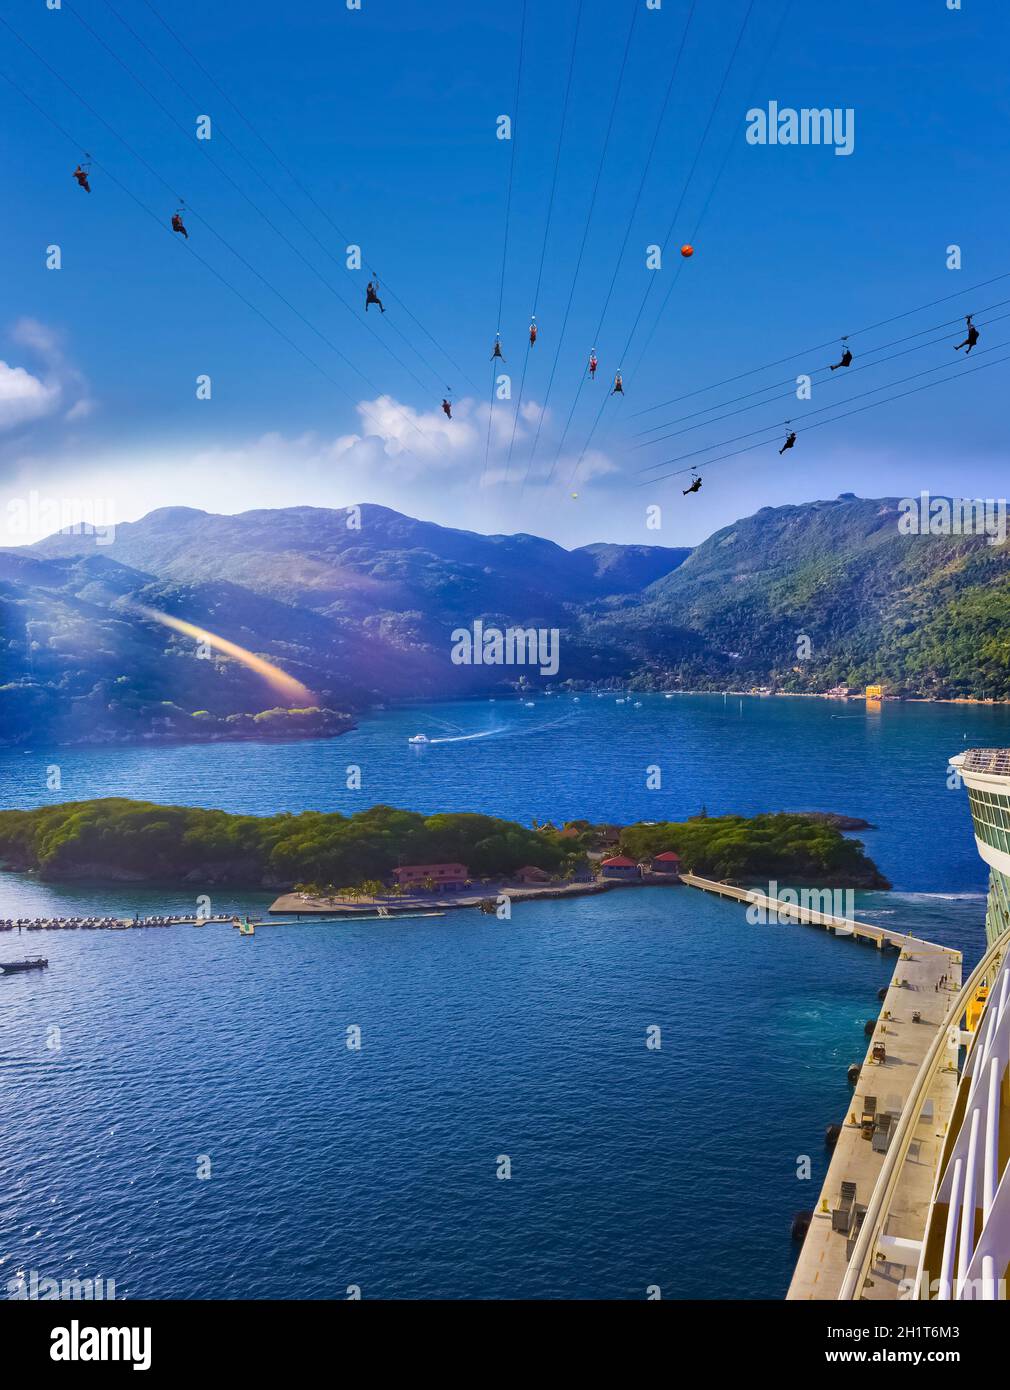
976	1005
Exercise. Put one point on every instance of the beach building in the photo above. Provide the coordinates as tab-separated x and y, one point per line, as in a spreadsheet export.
607	835
441	875
619	866
530	875
666	863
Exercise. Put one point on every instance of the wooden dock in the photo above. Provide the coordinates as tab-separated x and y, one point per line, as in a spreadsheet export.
925	980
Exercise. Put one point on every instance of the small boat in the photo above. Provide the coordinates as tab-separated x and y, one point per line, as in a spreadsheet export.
418	738
12	967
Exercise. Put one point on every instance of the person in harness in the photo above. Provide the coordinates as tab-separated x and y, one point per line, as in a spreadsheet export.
447	408
790	441
593	364
81	175
533	330
846	359
972	337
695	484
177	225
372	296
497	348
618	387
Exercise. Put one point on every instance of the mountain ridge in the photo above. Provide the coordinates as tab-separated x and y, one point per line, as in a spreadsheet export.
359	604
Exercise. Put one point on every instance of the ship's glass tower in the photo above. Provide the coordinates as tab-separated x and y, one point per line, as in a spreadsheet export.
986	774
966	1244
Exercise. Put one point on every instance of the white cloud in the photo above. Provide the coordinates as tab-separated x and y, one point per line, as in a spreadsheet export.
416	462
38	337
492	445
26	396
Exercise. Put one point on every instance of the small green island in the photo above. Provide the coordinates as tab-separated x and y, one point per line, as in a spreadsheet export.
386	851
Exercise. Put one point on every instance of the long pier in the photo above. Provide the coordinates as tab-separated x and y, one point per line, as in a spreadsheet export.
914	1010
841	926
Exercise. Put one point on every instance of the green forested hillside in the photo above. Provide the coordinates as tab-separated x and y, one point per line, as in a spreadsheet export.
925	615
794	848
116	838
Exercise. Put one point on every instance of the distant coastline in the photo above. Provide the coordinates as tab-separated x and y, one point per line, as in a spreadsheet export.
180	729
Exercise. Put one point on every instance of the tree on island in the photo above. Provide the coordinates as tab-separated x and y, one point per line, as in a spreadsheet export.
101	839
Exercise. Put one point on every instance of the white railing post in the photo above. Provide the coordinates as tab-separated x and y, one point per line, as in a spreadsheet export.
946	1289
990	1175
967	1241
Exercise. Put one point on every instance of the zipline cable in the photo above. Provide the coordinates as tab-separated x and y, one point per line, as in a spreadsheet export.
223	240
190	251
298	183
514	140
858	410
731	145
849	372
341	265
821	347
585	235
631	217
251	201
547	228
673	221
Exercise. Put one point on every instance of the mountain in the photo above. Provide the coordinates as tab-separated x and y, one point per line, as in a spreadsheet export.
364	560
921	614
360	606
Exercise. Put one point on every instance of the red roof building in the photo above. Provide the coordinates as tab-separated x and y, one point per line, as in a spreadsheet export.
619	866
442	875
666	863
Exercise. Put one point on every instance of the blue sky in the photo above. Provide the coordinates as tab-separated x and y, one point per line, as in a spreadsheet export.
387	117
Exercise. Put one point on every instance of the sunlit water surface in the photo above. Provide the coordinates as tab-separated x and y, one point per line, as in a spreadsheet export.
140	1055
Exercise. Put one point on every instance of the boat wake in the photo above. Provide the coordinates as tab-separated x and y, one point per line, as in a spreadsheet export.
463	738
941	897
506	731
